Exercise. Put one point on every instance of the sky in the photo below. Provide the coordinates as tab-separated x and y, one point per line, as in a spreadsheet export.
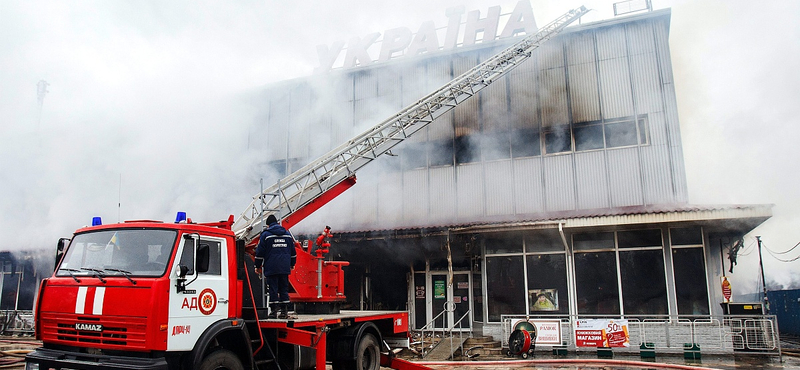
149	105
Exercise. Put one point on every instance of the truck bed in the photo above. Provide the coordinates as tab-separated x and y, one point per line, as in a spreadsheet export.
306	320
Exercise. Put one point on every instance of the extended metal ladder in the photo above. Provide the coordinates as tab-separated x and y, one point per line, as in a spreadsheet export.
318	177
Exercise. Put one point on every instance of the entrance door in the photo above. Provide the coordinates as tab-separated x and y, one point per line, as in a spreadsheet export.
449	303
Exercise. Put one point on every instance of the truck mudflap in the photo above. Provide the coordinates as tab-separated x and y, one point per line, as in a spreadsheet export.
45	359
399	364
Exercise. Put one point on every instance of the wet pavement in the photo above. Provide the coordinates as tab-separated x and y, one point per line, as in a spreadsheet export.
624	362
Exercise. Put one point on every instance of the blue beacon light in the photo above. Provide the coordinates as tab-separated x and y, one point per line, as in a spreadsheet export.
180	217
97	221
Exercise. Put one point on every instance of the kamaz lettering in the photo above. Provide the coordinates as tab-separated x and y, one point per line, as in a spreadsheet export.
88	327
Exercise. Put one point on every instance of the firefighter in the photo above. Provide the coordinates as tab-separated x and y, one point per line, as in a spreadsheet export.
276	249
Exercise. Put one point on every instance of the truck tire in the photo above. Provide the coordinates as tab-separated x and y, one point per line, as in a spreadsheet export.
221	359
368	356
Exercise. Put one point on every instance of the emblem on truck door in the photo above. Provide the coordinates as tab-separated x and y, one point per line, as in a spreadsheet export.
88	327
208	301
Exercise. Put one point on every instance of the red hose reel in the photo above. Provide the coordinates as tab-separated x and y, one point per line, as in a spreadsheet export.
522	340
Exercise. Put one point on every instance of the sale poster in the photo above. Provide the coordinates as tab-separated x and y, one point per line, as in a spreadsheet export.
602	333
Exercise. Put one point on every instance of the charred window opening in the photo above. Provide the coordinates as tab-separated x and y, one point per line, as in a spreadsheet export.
467	149
525	143
496	145
440	153
588	136
558	140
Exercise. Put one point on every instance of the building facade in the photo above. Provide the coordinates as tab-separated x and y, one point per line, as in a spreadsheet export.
557	192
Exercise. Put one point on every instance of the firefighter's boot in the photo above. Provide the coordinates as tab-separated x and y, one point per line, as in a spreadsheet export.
284	314
273	311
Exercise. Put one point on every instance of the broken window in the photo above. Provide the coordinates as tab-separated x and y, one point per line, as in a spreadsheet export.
467	149
496	145
525	143
440	152
558	140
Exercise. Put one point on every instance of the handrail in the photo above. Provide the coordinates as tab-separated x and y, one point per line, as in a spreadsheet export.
433	331
446	332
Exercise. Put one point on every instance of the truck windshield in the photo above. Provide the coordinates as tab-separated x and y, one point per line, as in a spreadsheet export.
134	252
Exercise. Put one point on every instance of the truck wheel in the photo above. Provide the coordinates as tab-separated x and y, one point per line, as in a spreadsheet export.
368	356
221	359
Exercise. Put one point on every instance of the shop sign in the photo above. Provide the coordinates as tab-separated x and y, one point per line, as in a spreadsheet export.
548	332
462	29
602	333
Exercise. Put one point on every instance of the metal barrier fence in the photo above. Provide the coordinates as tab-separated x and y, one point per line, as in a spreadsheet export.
16	322
712	334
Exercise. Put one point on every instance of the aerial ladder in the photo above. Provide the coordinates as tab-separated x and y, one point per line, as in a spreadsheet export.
301	193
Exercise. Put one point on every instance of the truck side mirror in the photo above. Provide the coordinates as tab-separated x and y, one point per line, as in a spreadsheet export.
60	247
202	258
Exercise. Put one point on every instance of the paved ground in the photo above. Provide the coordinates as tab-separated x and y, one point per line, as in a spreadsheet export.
624	362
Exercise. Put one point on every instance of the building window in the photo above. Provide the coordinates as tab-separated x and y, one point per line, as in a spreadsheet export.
627	132
588	136
641	264
689	267
639	238
526	278
503	244
525	143
644	286
440	153
506	281
686	236
467	149
547	284
558	140
596	283
496	145
593	241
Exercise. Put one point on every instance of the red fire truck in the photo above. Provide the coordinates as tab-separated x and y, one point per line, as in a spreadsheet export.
154	295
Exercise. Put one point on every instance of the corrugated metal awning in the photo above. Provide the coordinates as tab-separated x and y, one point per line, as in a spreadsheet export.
738	219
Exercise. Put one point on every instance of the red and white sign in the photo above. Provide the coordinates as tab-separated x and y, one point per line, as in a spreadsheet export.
548	332
726	289
602	333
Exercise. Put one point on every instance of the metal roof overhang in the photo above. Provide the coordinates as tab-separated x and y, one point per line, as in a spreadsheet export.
733	219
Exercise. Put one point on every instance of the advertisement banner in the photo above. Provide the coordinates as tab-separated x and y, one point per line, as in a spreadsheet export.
548	332
602	333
